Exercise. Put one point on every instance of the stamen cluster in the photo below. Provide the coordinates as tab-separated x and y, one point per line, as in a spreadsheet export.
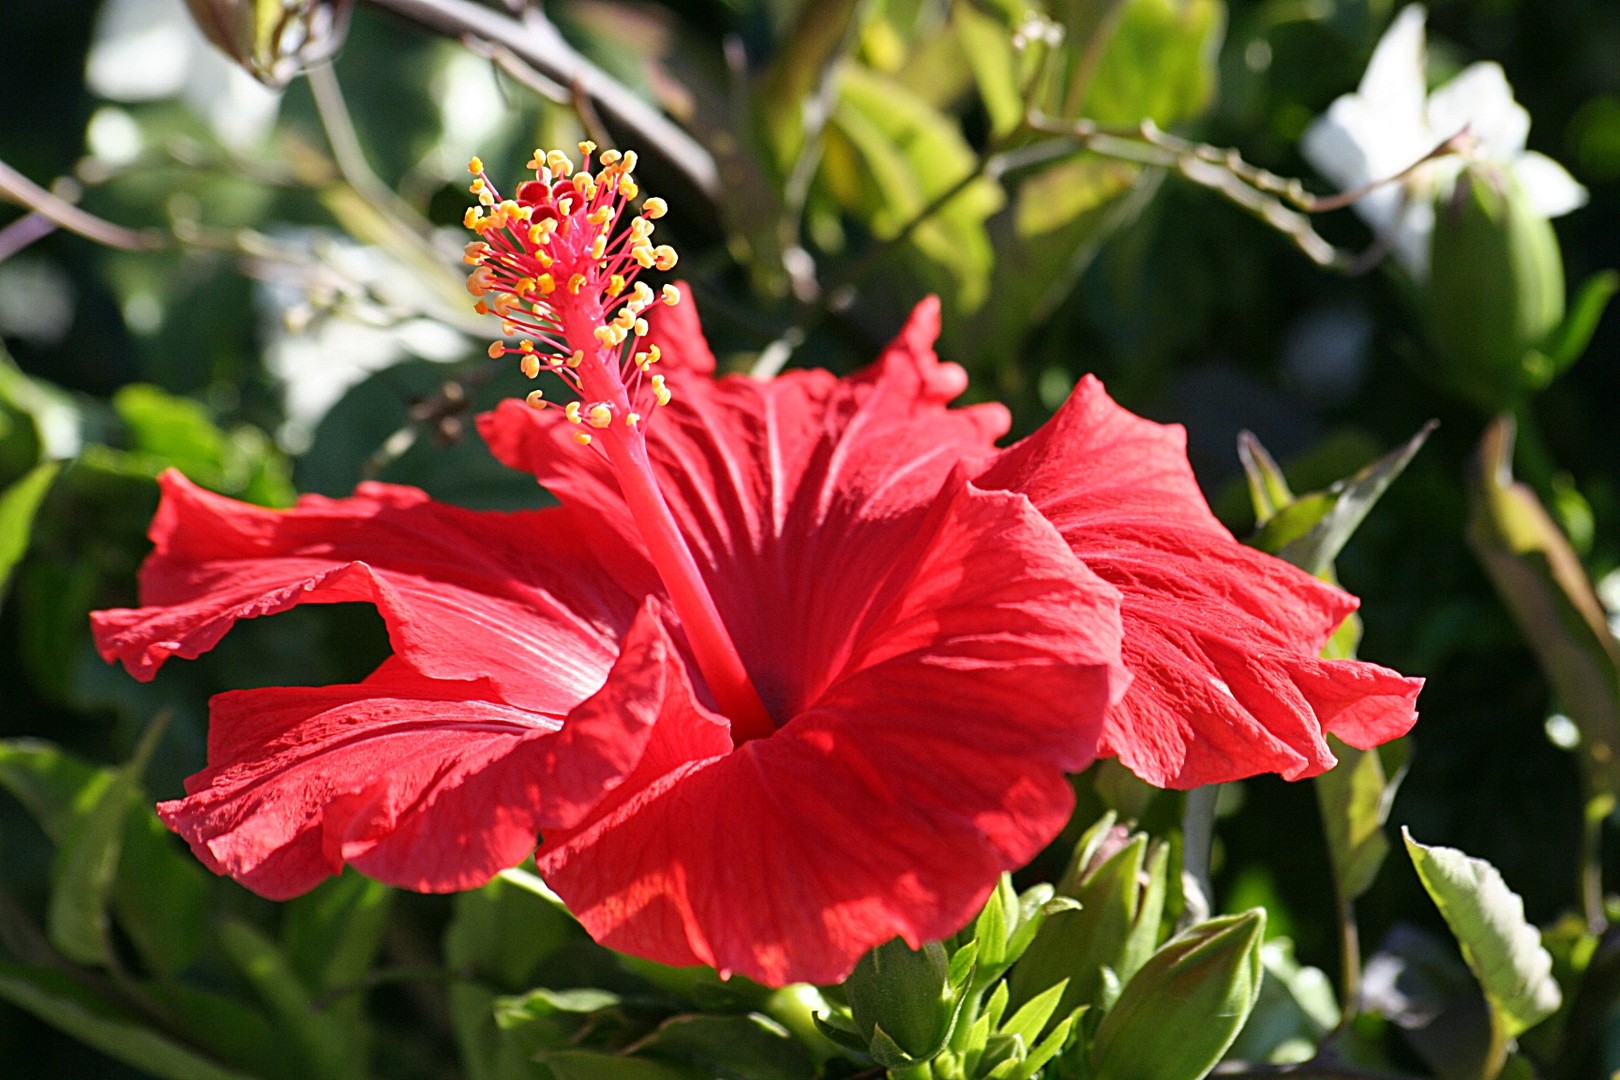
553	262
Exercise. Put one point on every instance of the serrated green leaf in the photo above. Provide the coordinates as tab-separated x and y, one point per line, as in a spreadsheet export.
64	1004
1487	918
86	863
18	505
1541	580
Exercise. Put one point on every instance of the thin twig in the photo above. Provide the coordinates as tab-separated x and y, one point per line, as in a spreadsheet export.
535	41
60	211
22	232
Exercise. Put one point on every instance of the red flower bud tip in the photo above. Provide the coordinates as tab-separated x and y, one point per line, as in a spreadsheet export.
558	265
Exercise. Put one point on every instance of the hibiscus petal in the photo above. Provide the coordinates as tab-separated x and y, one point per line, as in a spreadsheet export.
779	489
520	585
978	673
1222	639
425	784
679	337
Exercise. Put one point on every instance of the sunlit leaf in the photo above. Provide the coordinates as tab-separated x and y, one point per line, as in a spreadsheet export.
1502	950
18	505
1159	62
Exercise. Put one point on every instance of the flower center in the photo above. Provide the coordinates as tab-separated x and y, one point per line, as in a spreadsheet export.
558	265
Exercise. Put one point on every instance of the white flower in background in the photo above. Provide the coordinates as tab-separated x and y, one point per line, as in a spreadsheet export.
1392	121
336	313
149	50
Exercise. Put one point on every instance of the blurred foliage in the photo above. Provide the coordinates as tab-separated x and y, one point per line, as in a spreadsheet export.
301	327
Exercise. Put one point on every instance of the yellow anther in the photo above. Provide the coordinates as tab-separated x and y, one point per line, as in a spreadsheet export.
559	164
534	397
625	318
644	295
523	287
664	257
642	361
643	254
583	438
485	198
661	392
470	218
477	185
600	216
546	284
629	188
599	246
576	358
571	410
599	416
526	346
496	350
586	148
654	354
671	295
480	281
641	328
615	285
508	329
640	229
529	364
475	252
481	307
609	157
629	165
632	419
504	303
565	205
575	283
604	334
654	208
476	165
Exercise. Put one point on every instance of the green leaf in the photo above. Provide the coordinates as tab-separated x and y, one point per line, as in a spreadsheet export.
751	1047
1311	530
332	1048
1268	488
810	52
501	932
1159	63
1569	341
1541	580
1487	918
331	935
1354	797
986	42
18	505
591	1065
889	154
87	857
169	431
59	1001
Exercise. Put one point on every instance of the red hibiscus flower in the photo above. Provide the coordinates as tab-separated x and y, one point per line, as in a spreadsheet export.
797	666
777	681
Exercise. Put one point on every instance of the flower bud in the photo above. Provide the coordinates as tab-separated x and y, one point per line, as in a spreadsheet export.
1495	294
902	1002
274	41
1180	1012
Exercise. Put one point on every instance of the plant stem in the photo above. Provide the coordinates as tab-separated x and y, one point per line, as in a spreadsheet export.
538	43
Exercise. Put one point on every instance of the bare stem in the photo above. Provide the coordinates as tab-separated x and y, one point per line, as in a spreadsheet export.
60	211
535	41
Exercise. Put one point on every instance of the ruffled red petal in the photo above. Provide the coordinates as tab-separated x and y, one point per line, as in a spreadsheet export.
1222	639
930	758
514	598
780	488
421	783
